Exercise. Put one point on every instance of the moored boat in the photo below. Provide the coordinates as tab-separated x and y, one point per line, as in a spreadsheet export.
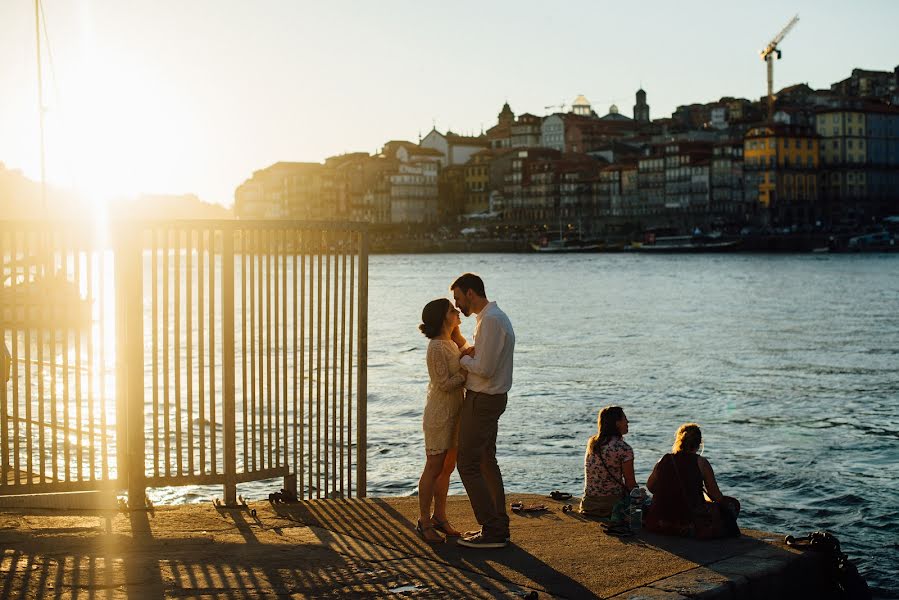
567	246
685	244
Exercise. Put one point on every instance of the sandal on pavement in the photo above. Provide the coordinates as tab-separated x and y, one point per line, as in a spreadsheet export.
422	531
617	530
557	495
444	528
520	507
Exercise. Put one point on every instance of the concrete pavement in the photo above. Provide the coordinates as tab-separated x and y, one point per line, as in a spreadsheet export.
369	549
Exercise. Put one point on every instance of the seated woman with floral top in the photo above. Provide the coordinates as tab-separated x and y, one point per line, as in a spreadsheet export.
608	464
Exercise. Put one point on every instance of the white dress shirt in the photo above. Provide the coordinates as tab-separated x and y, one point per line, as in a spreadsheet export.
490	370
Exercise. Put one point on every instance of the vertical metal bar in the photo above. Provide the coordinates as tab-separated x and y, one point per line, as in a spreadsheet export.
54	416
128	265
283	246
310	377
275	381
91	393
349	378
154	323
5	363
177	279
334	370
104	447
243	345
304	414
4	414
134	344
201	340
268	345
318	373
260	276
213	448
297	374
343	286
253	411
166	355
189	348
66	397
14	351
228	404
41	399
27	325
326	351
362	370
72	310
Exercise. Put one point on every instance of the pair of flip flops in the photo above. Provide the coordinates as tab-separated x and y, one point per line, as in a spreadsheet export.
557	495
519	507
616	529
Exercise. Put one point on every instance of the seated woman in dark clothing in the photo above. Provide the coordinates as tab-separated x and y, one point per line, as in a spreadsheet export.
686	499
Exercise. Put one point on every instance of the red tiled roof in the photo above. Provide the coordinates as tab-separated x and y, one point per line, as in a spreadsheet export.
419	151
455	138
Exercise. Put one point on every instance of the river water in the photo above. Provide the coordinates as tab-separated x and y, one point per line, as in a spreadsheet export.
790	363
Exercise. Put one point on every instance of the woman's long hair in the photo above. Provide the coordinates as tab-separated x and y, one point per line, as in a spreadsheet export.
606	427
433	316
687	439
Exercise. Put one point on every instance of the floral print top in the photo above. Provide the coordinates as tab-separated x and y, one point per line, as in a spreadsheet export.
599	481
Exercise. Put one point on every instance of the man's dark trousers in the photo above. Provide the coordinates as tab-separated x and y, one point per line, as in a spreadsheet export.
478	469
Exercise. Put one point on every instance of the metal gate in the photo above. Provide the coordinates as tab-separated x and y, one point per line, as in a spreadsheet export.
57	422
206	352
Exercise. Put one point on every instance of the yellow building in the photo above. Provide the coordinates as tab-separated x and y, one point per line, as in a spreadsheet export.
844	153
477	180
781	165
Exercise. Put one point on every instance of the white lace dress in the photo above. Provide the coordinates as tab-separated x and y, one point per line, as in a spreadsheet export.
444	402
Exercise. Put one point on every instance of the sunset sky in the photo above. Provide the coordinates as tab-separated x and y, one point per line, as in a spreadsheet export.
191	96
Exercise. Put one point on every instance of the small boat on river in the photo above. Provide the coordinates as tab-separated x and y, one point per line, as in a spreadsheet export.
566	246
684	244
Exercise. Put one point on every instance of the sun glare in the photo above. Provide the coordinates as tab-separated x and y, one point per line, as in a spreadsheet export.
114	136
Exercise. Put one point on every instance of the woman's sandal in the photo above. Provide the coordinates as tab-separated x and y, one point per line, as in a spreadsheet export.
616	529
520	507
421	531
444	528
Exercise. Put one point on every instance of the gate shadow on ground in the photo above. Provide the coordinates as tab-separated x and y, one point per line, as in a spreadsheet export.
74	559
389	535
223	554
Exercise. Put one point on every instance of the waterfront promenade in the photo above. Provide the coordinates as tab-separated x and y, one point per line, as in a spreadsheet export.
368	548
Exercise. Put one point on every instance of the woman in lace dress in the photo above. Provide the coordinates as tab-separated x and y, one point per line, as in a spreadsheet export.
441	417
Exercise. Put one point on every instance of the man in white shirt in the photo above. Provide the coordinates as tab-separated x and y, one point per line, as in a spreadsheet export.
489	366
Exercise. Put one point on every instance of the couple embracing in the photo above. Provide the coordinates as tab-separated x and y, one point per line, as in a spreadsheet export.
467	393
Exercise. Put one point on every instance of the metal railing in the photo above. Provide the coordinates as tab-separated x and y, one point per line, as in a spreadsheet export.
56	431
240	355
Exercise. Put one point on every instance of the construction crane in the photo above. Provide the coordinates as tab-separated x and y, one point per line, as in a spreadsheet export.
561	107
768	56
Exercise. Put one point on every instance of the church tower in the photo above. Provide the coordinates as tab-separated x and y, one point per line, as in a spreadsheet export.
641	109
506	116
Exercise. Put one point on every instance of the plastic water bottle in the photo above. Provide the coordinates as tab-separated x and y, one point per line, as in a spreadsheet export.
635	511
